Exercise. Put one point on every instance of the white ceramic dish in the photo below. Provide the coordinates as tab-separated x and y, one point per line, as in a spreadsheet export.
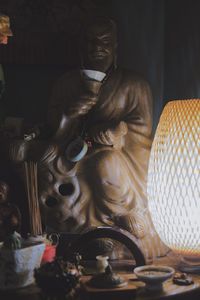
154	276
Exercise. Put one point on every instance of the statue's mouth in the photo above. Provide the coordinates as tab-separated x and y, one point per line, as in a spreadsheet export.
99	54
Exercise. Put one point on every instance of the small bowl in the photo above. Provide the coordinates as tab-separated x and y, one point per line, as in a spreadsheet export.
154	276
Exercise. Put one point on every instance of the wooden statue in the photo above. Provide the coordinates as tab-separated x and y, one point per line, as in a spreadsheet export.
93	170
110	110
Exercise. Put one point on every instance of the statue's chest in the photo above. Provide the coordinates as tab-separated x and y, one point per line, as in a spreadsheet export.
109	107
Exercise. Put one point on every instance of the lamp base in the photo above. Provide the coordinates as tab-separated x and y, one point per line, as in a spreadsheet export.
182	263
189	265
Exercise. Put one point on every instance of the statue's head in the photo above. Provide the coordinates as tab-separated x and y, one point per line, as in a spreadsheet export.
99	44
5	30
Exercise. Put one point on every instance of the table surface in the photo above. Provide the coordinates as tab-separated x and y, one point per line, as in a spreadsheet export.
134	290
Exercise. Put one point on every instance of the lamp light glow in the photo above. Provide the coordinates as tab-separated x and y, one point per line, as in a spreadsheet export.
174	177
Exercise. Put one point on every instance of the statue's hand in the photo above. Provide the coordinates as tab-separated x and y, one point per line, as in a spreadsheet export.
91	87
88	98
82	107
111	137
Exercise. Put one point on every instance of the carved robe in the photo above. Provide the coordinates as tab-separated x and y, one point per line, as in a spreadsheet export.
112	176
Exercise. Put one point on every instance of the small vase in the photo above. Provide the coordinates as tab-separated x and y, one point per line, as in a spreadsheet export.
17	266
102	263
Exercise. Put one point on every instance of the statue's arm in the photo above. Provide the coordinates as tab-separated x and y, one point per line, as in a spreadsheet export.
135	116
109	135
138	109
67	108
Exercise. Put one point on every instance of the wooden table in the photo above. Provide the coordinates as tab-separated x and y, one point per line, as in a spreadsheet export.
134	290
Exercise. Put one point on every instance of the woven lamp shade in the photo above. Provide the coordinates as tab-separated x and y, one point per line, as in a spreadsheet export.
174	177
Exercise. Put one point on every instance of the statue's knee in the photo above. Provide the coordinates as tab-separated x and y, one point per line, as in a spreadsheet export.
108	164
110	174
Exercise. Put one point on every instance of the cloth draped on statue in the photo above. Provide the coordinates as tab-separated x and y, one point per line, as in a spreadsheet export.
113	174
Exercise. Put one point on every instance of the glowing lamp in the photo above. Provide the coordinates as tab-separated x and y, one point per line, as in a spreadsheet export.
174	177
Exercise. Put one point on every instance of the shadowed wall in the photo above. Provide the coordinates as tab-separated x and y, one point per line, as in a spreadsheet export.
42	49
157	38
182	49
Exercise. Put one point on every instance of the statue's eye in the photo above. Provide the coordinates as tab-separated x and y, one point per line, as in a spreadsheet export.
106	41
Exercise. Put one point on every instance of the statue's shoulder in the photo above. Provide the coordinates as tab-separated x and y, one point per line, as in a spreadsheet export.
131	77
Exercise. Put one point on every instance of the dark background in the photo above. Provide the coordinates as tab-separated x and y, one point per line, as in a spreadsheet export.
160	39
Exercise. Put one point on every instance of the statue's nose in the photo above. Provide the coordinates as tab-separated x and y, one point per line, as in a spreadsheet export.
95	46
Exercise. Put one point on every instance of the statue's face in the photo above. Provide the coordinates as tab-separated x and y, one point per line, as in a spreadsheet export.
99	47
